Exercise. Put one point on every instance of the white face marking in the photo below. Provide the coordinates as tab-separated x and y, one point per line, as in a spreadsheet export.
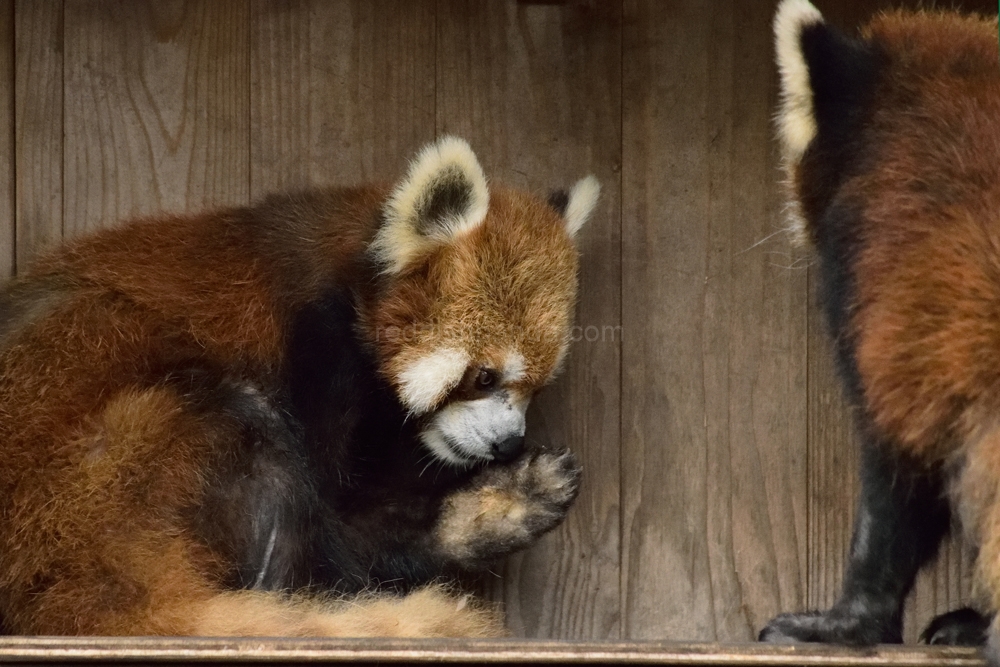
467	430
514	367
424	382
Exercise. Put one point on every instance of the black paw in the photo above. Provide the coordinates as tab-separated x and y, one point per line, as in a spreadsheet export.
832	627
962	627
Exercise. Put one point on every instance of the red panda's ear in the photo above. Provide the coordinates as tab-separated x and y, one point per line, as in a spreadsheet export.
577	205
796	118
827	78
443	195
829	82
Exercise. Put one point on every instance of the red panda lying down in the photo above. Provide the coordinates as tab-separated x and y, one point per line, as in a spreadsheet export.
892	148
245	421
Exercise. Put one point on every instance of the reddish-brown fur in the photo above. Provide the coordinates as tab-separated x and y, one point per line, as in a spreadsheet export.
101	459
491	306
928	273
926	314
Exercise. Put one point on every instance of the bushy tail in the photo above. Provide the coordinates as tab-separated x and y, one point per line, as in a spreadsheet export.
429	612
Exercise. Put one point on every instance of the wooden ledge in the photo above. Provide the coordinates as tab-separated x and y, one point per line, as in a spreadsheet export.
103	650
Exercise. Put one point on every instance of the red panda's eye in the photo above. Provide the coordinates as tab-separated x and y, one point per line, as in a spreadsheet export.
486	378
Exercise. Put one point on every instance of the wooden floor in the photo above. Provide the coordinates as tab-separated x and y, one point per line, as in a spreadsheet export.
89	651
719	463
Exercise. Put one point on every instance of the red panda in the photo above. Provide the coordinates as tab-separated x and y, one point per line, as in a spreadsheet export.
891	142
270	420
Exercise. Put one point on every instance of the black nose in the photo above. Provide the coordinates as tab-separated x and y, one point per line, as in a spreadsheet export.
508	449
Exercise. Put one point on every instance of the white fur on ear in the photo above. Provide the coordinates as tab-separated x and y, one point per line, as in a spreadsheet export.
796	118
581	202
443	195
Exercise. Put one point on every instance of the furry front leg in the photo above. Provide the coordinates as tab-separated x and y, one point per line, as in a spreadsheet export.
507	508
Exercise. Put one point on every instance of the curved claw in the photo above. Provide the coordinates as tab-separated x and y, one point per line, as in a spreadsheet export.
961	627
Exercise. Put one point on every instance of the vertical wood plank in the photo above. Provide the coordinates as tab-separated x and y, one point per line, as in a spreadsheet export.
7	186
342	92
535	88
156	108
713	398
834	456
834	453
38	131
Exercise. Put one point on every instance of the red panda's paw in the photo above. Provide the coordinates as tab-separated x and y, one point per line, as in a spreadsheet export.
508	507
832	627
961	627
550	479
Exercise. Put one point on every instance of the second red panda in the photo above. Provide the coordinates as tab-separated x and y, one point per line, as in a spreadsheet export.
211	422
891	142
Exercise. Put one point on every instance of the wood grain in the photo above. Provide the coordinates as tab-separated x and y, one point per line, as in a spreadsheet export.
720	463
714	378
342	92
834	457
38	126
201	651
7	158
536	90
156	108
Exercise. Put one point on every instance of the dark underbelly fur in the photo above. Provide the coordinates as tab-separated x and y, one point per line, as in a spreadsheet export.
328	491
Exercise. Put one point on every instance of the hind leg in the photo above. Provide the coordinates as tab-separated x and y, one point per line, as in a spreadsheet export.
103	545
978	495
902	517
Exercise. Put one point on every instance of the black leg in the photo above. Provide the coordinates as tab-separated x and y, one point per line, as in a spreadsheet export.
902	517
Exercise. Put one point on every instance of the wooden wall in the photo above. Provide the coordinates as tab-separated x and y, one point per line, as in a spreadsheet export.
718	454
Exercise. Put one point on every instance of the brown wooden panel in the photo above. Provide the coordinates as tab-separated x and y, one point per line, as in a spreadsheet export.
833	449
256	651
342	92
38	118
714	305
156	108
535	88
693	433
7	186
833	468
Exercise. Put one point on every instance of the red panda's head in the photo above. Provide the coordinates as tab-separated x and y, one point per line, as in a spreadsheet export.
479	286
